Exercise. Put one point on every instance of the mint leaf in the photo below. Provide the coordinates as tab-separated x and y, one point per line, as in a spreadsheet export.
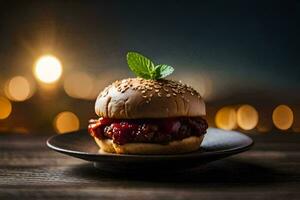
140	65
164	70
143	67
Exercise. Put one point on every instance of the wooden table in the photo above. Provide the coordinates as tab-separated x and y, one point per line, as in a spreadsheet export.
271	170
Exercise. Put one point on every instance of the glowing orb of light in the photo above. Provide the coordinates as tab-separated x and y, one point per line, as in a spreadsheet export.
247	117
283	117
18	89
82	89
66	122
5	108
48	69
226	118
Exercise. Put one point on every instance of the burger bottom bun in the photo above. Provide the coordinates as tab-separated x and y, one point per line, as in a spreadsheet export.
179	146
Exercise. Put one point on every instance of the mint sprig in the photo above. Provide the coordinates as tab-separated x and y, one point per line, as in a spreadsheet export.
143	67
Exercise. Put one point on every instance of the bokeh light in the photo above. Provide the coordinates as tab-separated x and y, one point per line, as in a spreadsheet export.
283	117
66	122
48	69
5	108
247	117
19	89
226	118
80	85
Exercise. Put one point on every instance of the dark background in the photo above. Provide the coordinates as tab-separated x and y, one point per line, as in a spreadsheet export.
234	52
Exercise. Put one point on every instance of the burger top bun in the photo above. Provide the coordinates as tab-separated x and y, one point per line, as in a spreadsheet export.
134	98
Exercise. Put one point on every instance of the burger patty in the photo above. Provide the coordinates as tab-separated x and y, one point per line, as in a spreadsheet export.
147	130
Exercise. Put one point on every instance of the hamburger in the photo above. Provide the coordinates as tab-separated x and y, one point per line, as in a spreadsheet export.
148	114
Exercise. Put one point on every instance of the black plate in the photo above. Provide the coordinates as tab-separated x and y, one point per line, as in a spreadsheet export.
217	144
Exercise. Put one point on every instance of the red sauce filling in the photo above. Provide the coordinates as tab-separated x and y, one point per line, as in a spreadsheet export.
123	131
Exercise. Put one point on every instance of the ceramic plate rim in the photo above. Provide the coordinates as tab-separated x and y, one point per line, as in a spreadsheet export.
184	155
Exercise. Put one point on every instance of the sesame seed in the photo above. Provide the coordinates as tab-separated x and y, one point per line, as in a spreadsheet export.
149	88
174	90
165	89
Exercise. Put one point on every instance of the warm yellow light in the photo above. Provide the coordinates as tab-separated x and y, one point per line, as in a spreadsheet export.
247	117
48	69
283	117
5	108
66	122
79	85
18	89
226	118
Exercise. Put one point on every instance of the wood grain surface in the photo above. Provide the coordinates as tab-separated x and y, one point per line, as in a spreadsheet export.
271	170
